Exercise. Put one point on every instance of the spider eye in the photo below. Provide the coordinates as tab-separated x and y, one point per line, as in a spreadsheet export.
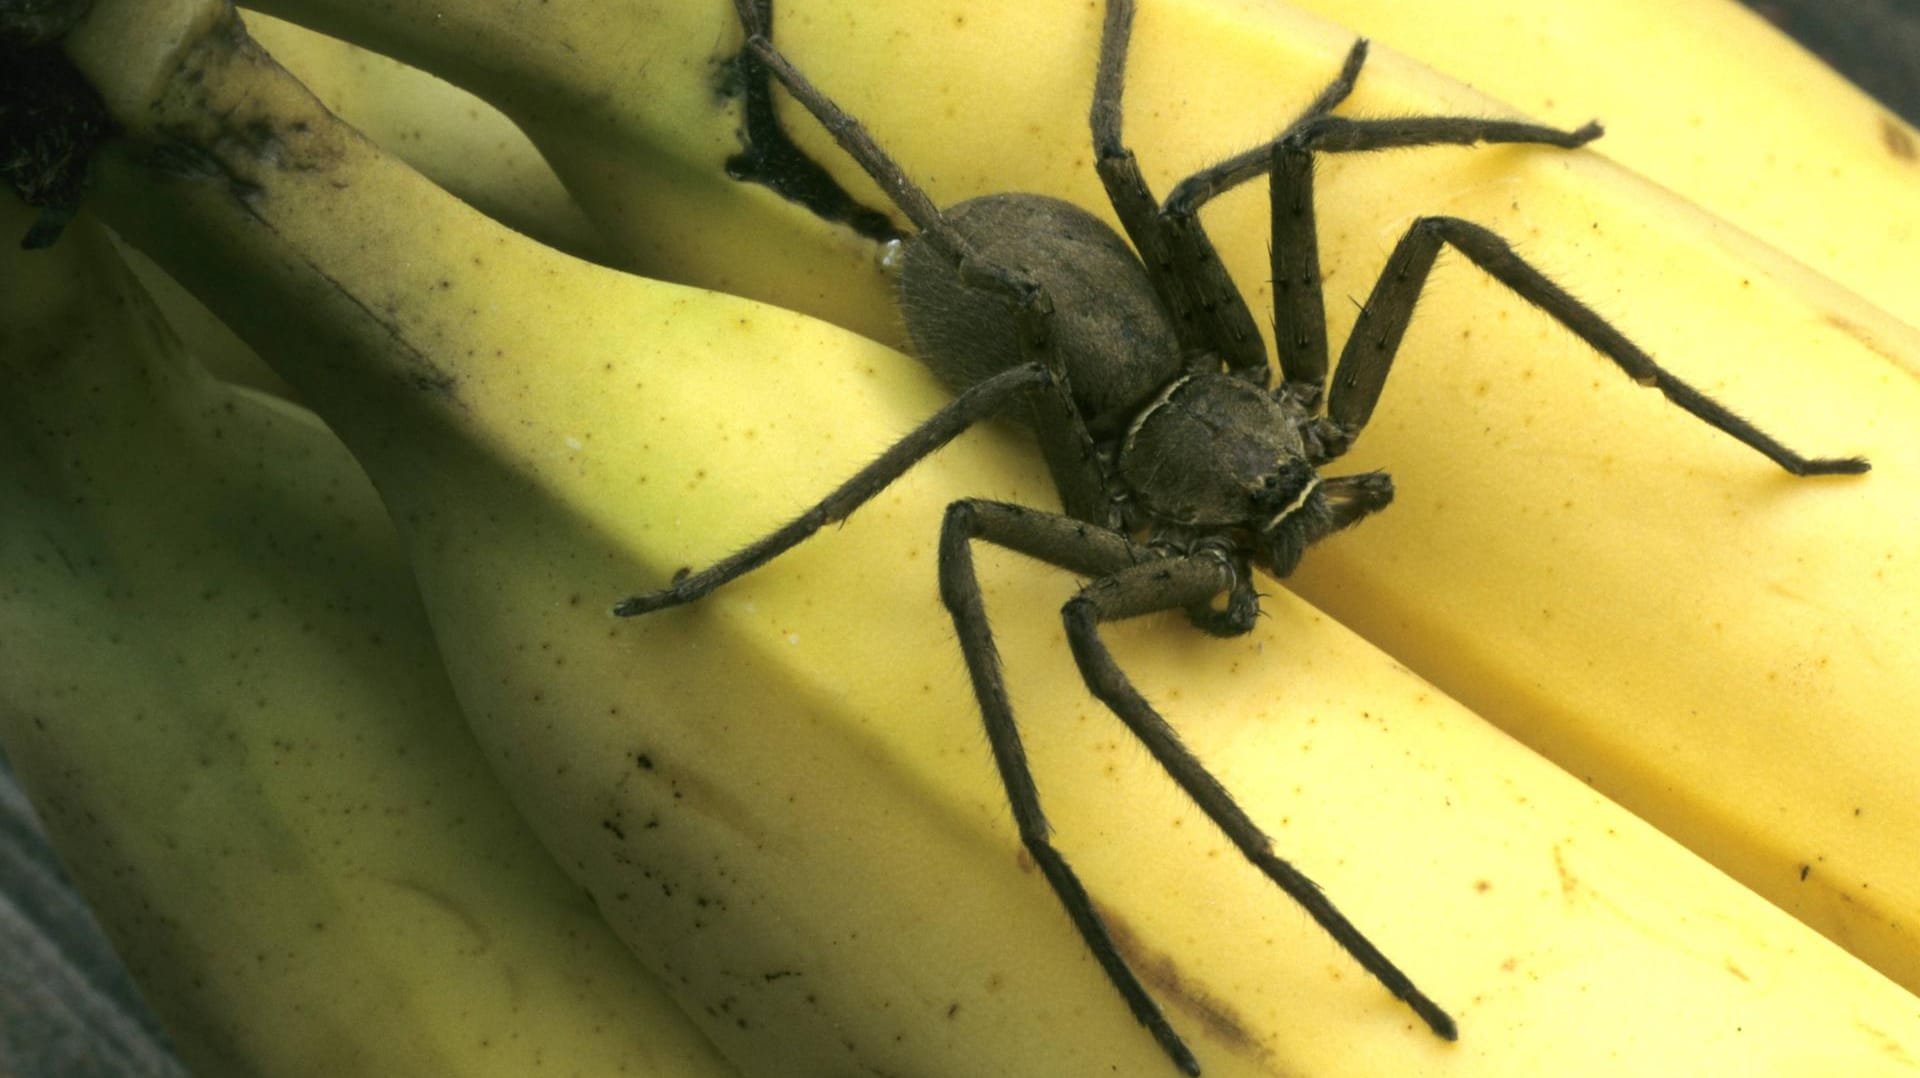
1284	490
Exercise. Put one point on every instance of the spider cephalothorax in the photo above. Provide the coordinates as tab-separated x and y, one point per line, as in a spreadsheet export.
1215	452
1146	384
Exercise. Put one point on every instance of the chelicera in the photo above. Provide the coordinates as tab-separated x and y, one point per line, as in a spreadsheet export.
1181	467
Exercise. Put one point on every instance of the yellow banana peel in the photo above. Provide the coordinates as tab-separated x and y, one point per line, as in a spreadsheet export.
780	798
219	688
1704	98
1646	602
460	142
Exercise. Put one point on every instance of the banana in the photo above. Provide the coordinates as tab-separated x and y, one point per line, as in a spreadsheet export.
625	104
218	686
204	337
1707	99
1637	597
464	144
779	798
619	100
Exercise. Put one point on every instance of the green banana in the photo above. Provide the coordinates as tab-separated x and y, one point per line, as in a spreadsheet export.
217	684
779	799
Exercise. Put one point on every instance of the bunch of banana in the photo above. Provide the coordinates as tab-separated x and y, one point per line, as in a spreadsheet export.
779	799
1706	100
1639	598
218	685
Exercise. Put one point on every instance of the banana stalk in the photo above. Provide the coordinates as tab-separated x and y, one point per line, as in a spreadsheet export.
1649	604
218	686
464	144
780	799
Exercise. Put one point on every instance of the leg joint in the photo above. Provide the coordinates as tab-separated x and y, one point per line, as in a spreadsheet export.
1080	614
961	517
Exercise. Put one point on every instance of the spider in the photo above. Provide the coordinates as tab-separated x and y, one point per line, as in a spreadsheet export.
1147	385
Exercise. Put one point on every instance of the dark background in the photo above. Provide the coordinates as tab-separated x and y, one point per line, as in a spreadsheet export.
1876	43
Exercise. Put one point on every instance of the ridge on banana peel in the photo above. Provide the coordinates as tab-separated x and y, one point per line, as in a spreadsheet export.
218	687
459	141
790	817
1662	614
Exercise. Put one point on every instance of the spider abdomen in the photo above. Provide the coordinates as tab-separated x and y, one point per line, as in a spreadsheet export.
1108	328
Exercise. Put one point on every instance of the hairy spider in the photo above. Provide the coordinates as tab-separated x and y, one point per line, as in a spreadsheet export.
1146	382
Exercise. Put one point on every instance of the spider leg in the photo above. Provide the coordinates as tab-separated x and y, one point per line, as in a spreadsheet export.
1189	194
1369	352
847	131
979	402
1144	589
1082	547
1173	231
1318	131
859	144
1071	452
771	159
1131	580
1299	309
1209	315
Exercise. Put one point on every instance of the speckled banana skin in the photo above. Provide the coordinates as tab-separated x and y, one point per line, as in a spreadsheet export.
780	798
